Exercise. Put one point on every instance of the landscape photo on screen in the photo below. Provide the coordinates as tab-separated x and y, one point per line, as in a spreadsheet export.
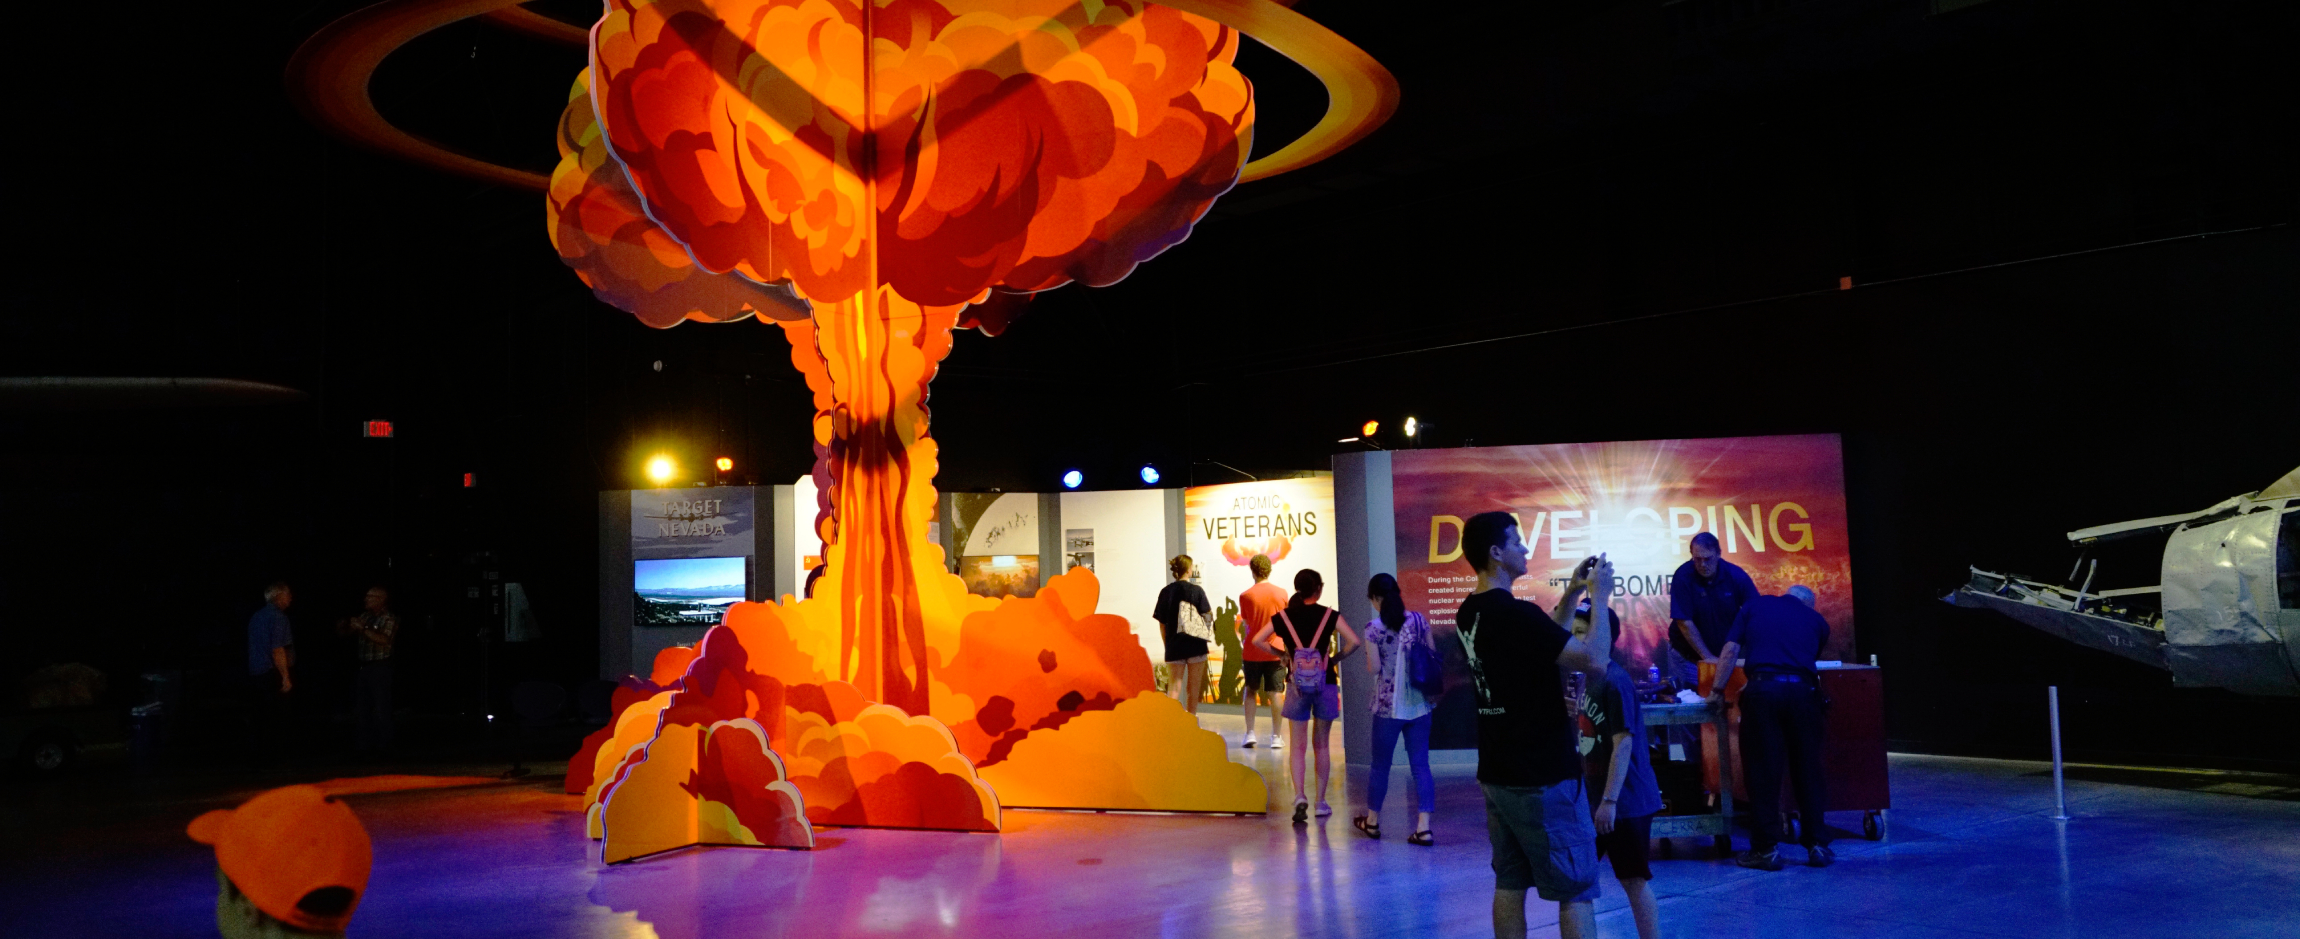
686	591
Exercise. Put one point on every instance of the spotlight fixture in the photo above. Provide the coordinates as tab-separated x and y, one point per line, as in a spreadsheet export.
1073	479
661	469
1370	428
1412	426
1149	475
726	463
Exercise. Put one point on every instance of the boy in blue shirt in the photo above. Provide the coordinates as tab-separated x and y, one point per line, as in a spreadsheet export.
1618	763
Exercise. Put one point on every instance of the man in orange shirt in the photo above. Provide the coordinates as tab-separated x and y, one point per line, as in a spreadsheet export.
1265	676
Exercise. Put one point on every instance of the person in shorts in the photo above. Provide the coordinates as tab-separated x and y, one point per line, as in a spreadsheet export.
1265	675
1618	758
1306	627
1185	653
1528	760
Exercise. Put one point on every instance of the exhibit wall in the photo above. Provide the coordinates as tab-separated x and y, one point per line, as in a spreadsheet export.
1121	536
1223	527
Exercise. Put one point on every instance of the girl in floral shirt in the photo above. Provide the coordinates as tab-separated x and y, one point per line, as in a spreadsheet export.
1398	707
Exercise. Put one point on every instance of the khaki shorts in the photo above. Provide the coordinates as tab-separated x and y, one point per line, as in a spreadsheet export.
1543	839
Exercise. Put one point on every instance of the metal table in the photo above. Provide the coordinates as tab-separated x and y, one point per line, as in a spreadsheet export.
1718	824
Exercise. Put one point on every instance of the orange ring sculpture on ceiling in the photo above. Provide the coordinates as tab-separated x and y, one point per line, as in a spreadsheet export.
328	78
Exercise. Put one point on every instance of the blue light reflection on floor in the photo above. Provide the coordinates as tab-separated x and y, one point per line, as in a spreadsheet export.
1973	850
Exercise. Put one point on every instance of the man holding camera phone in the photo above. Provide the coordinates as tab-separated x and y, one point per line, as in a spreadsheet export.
1529	762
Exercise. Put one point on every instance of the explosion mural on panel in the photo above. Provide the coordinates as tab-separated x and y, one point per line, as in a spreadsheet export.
870	175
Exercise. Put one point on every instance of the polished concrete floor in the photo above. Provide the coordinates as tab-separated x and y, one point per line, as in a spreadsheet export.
1972	851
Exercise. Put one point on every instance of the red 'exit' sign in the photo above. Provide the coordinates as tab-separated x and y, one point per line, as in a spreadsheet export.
377	429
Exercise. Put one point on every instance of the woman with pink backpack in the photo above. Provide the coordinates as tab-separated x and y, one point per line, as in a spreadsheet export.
1305	635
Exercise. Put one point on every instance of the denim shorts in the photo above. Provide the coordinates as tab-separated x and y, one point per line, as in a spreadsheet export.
1326	704
1543	839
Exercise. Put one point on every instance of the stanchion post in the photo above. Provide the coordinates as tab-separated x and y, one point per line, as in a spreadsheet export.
2059	794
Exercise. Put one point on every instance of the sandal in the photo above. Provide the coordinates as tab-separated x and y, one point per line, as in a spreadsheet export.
1370	825
1424	838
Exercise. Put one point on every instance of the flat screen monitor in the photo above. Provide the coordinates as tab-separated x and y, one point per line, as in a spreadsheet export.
687	591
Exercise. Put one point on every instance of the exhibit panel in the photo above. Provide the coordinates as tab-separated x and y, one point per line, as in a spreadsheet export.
672	561
1225	526
1776	506
998	538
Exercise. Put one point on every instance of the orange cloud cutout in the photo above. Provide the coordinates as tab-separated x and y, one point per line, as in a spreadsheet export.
719	784
883	768
1147	753
1031	144
670	664
603	232
1032	663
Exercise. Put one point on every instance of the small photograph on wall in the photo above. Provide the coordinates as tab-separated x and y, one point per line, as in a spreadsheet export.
1000	575
1078	548
686	591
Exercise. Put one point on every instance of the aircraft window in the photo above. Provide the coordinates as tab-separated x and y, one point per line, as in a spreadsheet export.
2288	560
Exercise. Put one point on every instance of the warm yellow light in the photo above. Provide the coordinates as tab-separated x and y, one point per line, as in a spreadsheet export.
661	469
726	463
1370	427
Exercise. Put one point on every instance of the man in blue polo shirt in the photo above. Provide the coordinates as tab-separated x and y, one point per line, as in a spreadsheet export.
1781	721
1704	595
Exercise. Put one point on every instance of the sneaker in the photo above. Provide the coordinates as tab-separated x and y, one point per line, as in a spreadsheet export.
1819	855
1301	813
1249	744
1324	809
1274	744
1767	861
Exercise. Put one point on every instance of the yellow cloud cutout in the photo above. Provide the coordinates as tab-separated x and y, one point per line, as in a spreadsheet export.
665	801
633	729
1148	754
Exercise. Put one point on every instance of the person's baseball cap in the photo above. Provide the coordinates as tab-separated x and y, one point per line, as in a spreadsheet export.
297	855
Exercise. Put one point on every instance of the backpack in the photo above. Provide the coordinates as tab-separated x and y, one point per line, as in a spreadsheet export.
1423	667
1189	622
1309	665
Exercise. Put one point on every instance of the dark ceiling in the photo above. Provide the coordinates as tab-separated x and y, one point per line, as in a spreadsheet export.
1635	214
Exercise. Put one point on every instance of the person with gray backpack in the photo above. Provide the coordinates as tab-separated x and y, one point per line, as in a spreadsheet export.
1306	636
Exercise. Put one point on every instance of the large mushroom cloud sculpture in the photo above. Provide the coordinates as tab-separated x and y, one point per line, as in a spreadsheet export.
865	176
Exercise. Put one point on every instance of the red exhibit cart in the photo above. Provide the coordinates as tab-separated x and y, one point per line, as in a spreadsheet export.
1852	748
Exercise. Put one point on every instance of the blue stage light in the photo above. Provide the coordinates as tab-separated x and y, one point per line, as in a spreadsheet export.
1072	479
1149	476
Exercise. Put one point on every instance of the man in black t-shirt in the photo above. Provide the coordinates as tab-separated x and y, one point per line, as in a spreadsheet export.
1528	764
